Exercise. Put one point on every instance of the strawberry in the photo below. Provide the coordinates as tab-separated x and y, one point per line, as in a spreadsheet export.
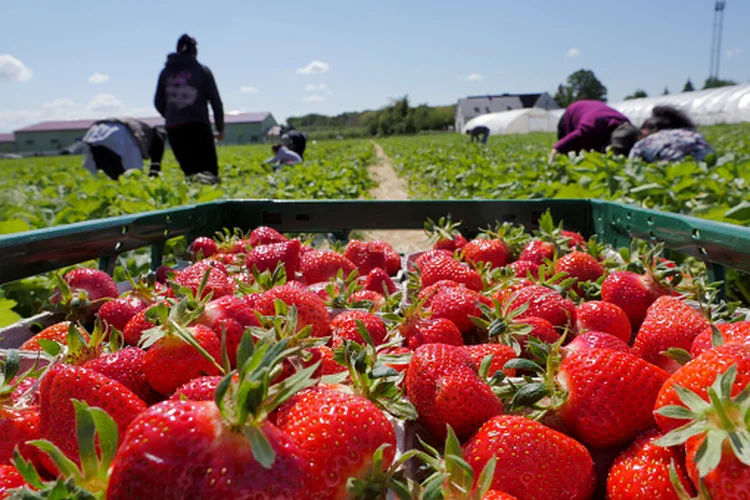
534	461
431	331
63	383
116	313
377	299
93	285
365	256
544	303
508	289
18	424
581	266
453	244
377	280
540	329
698	375
457	305
10	479
633	293
229	315
642	471
203	247
603	317
442	383
311	309
574	239
126	367
596	340
344	327
392	258
501	354
401	364
320	266
493	251
267	257
497	495
424	257
601	383
441	267
670	322
264	235
427	293
522	268
198	389
219	283
537	251
57	332
174	357
328	364
134	328
445	234
732	333
340	433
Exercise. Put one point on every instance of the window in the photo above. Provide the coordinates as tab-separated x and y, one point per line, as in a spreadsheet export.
476	109
254	138
487	108
29	142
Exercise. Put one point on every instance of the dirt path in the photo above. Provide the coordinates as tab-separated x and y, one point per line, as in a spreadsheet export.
392	187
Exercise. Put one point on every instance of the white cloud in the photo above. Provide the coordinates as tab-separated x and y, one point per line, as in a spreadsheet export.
12	69
98	78
249	89
474	77
311	87
733	52
573	52
103	105
236	112
314	67
314	98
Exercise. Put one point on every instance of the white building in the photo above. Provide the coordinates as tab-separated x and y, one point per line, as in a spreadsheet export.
474	106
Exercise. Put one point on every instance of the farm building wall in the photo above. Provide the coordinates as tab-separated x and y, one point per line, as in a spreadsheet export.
47	140
7	147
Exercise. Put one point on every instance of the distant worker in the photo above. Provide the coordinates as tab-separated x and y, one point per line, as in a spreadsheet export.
592	126
182	95
670	135
283	156
116	145
479	133
294	140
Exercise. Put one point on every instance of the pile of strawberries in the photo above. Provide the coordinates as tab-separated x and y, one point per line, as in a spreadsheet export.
514	365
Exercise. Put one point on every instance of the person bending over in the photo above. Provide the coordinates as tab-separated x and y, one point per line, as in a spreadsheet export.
670	135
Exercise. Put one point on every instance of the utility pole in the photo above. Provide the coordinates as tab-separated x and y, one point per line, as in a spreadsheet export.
713	71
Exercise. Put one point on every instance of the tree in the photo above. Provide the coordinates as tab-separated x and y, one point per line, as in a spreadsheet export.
688	86
637	94
713	83
666	91
582	84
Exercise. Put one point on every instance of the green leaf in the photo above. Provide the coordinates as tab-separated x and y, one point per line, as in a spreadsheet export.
85	431
691	399
677	412
7	315
27	470
66	466
680	355
741	212
260	446
106	430
486	477
523	364
709	453
717	338
50	347
529	395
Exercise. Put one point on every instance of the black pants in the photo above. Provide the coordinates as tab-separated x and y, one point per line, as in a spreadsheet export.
193	146
107	161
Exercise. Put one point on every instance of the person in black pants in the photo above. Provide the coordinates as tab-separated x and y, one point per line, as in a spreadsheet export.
184	90
115	145
294	140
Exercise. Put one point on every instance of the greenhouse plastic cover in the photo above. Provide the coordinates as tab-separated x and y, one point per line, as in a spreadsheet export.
518	121
704	107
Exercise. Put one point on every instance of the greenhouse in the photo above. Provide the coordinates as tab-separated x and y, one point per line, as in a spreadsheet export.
518	121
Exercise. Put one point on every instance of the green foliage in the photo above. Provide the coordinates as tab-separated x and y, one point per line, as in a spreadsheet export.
582	84
399	118
688	86
638	94
714	83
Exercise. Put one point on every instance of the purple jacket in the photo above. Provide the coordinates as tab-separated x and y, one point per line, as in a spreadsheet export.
587	125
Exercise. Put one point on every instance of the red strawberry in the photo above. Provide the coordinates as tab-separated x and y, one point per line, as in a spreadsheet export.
344	326
126	367
57	416
170	361
10	479
642	471
540	329
544	303
264	235
457	304
494	252
57	332
376	298
218	280
633	293
601	383
134	328
340	433
510	288
425	257
392	258
732	333
603	317
596	340
447	268
538	251
522	268
268	257
581	266
198	389
311	310
328	365
575	239
533	461
94	284
698	375
378	281
497	495
22	388
730	479
229	315
431	331
501	354
203	247
670	322
17	426
365	256
442	383
320	266
427	293
118	312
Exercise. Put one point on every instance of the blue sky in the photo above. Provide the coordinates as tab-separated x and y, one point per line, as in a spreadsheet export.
77	59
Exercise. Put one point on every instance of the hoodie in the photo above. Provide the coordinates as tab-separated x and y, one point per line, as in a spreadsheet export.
185	88
587	125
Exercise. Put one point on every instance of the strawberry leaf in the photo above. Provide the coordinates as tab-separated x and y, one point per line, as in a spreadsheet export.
260	446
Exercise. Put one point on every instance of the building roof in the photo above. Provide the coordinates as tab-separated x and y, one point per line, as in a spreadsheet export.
7	138
154	121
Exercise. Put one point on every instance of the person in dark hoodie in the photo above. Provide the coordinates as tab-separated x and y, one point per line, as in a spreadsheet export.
182	95
592	126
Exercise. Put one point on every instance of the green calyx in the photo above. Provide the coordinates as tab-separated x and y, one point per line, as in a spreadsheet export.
443	229
501	324
515	237
722	420
10	366
380	480
93	426
74	306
